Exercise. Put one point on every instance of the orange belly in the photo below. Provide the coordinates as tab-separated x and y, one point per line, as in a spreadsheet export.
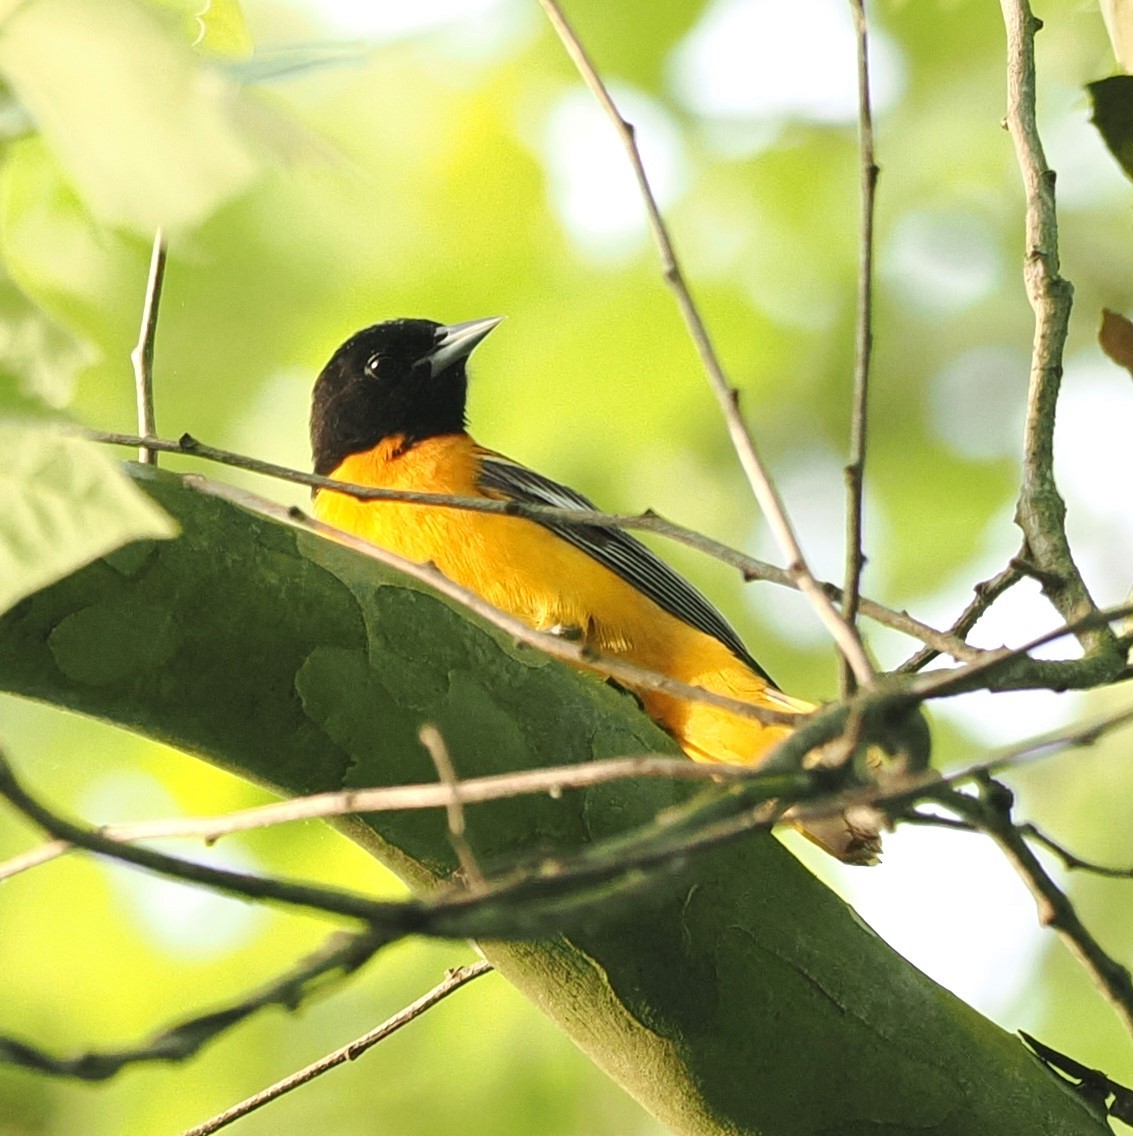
529	572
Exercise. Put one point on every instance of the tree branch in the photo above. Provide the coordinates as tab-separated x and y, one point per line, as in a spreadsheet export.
990	812
434	742
335	648
142	355
341	953
556	646
453	981
859	417
1040	511
843	634
986	593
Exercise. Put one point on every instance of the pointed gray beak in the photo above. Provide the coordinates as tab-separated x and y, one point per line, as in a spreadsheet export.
457	341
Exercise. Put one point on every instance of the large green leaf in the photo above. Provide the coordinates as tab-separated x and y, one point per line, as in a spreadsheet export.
64	504
177	148
739	996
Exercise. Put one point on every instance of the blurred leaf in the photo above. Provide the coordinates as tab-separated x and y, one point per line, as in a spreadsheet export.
293	60
87	278
19	401
1116	338
1118	16
1112	99
173	154
43	357
216	25
66	503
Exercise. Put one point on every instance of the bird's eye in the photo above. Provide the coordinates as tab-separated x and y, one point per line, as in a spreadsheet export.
372	365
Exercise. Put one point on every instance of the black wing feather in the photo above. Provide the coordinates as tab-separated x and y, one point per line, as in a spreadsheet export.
617	550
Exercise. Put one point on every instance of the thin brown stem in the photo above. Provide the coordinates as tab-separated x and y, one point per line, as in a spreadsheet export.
1070	860
434	743
398	919
1041	512
453	981
964	678
859	417
142	355
559	647
766	493
986	593
340	956
748	566
552	780
990	812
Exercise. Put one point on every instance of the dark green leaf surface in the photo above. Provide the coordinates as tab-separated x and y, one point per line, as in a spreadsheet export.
1112	100
740	996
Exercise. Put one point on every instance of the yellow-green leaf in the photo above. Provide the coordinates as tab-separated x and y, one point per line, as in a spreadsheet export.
176	149
63	503
217	26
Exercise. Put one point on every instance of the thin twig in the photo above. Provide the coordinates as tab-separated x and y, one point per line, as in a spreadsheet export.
1038	748
142	355
453	981
552	780
577	654
1041	512
859	417
531	901
748	566
341	955
990	812
962	678
986	593
434	743
395	918
844	635
1070	860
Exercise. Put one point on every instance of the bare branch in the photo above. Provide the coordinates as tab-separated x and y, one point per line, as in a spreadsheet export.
986	593
844	635
395	919
748	566
531	901
971	676
553	780
577	654
1041	512
990	812
1069	860
859	419
142	355
341	955
453	981
434	743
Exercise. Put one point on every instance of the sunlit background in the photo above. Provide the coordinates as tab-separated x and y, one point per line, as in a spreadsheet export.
441	159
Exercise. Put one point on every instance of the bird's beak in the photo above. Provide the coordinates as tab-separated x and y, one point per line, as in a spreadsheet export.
457	341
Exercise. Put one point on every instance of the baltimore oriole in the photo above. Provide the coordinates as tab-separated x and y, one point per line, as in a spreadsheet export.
389	410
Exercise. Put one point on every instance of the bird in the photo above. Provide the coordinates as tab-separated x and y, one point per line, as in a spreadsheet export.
389	410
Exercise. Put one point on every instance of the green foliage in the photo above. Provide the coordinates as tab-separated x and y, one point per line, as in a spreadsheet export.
137	75
66	504
412	179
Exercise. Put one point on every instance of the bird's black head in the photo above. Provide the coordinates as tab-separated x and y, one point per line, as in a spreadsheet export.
403	378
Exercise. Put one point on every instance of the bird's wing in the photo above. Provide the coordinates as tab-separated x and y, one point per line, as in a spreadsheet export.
614	549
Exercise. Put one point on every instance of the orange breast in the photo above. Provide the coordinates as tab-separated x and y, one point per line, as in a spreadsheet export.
529	572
